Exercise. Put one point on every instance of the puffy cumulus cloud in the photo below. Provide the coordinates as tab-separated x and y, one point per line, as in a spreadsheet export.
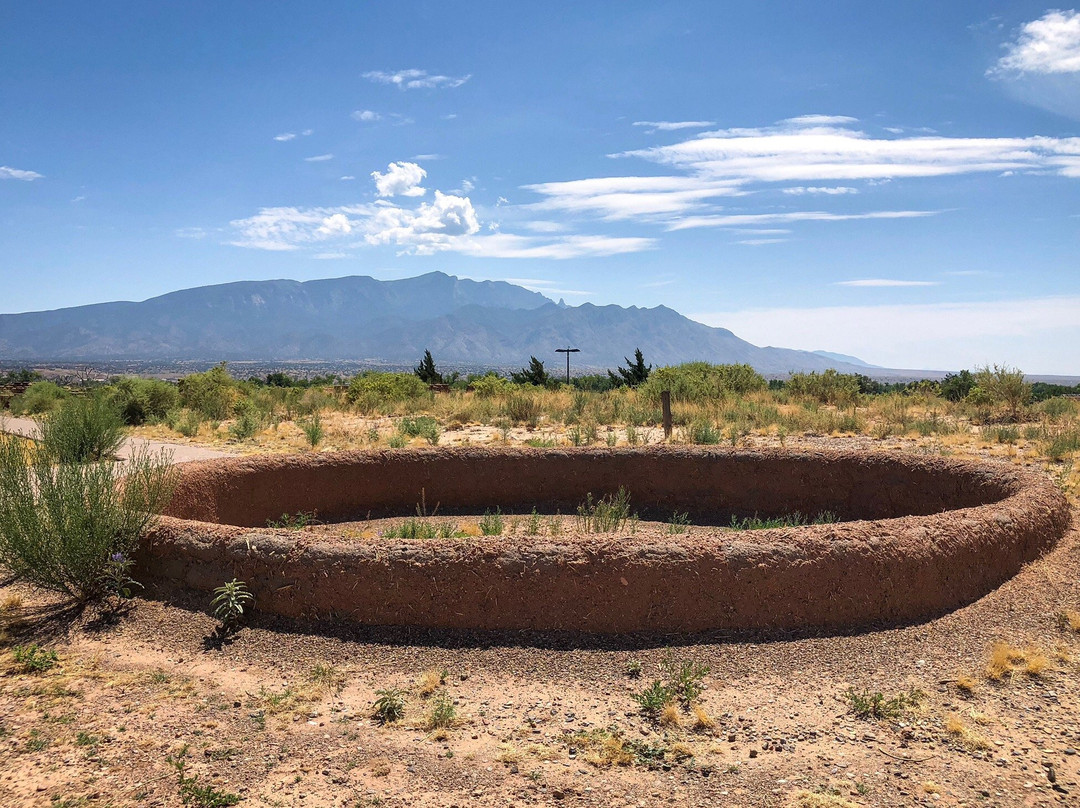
1050	44
290	228
365	115
432	227
400	179
285	136
334	224
9	173
414	79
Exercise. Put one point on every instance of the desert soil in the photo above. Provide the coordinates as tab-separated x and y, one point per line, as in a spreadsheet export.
281	713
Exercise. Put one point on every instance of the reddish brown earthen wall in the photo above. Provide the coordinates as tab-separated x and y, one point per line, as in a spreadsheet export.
924	535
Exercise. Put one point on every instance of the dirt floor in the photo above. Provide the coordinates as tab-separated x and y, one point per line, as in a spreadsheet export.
281	713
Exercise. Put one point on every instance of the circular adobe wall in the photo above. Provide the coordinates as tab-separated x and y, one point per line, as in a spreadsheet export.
919	536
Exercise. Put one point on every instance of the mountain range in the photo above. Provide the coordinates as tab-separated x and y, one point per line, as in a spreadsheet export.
461	321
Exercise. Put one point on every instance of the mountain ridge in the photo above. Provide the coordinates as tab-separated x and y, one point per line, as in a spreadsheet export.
358	317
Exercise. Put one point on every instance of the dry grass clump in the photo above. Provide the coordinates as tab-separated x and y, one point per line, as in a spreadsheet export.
12	603
962	733
606	750
965	684
815	799
669	716
930	787
1006	660
430	681
703	722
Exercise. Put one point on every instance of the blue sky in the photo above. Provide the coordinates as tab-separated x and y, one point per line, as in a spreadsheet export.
896	181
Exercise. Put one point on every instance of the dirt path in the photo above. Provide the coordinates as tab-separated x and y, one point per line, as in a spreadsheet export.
181	452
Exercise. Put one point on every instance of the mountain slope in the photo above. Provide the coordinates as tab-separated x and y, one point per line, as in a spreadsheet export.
360	318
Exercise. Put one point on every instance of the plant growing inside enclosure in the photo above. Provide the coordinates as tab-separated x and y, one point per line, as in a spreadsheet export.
389	706
313	430
607	514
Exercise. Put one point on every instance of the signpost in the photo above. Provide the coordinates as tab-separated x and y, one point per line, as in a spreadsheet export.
568	350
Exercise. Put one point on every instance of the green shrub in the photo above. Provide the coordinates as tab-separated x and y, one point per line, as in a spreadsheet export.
794	519
373	390
491	524
678	523
142	400
38	399
685	678
828	387
491	384
523	408
212	393
417	528
1059	407
389	706
701	381
1063	443
1005	386
867	705
313	430
704	433
61	523
606	515
248	421
423	426
654	698
443	713
83	430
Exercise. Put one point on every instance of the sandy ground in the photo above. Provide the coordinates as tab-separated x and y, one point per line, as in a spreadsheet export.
281	714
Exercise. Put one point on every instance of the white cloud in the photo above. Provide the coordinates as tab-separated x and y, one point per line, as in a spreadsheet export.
880	282
348	177
330	256
505	245
815	148
743	219
319	158
1050	44
1038	335
799	190
335	224
820	120
307	132
760	242
414	79
616	198
284	136
190	232
400	179
9	173
432	227
365	115
671	126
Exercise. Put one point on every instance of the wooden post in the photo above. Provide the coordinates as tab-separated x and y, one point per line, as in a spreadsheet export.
665	402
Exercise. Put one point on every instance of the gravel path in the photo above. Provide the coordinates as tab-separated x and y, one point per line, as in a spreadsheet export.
181	452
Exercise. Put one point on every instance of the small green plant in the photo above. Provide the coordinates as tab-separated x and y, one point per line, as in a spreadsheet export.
606	515
678	523
298	521
34	658
188	423
248	422
491	524
654	698
685	678
397	441
867	705
193	794
423	426
633	668
533	524
116	581
36	742
229	604
704	433
389	706
443	713
794	519
417	528
313	430
328	679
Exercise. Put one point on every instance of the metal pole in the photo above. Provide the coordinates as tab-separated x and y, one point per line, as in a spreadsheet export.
568	350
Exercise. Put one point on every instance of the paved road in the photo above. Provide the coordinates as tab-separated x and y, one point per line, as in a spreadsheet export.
181	452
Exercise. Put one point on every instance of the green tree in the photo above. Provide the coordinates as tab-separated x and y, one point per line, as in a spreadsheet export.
533	374
1004	385
211	393
956	386
427	372
633	374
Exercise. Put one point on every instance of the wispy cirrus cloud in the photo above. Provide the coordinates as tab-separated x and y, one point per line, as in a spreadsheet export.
886	282
672	126
615	198
284	137
9	173
800	190
1050	44
744	219
414	79
319	158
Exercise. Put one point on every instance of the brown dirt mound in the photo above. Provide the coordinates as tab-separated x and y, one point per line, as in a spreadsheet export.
921	536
